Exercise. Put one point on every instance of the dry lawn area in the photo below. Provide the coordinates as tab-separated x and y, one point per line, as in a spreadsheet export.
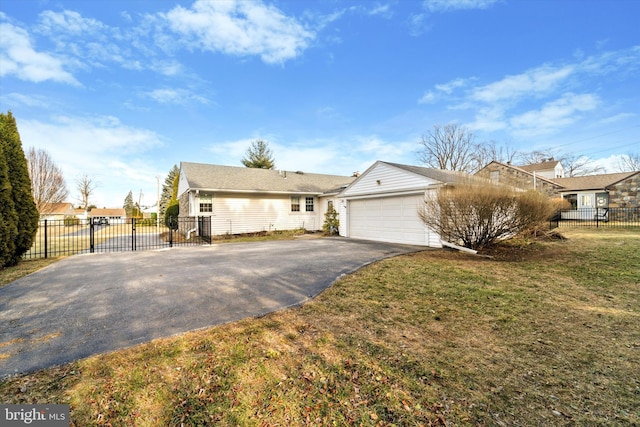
544	333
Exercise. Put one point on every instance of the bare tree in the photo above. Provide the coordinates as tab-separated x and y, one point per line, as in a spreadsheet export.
579	165
489	151
85	186
629	162
535	156
450	147
47	183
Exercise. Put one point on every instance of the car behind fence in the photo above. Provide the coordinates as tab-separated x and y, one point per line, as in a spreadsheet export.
74	236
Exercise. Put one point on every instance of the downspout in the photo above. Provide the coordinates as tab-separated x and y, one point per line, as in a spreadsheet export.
460	248
193	229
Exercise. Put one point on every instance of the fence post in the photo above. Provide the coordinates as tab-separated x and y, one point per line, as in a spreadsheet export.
133	234
91	236
597	217
170	232
46	252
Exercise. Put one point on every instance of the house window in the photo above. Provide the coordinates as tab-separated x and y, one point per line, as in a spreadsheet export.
573	199
295	204
308	203
586	200
494	176
206	203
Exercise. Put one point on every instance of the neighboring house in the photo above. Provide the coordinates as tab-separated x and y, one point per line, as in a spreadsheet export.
549	169
244	200
516	176
593	195
57	211
383	203
82	215
112	216
585	193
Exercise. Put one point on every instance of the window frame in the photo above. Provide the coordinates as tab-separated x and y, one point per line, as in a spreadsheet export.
295	203
309	202
205	203
573	199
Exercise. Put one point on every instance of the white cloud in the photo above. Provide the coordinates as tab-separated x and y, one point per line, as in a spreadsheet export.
109	152
240	28
448	5
37	101
69	22
19	58
542	100
429	97
339	156
449	87
617	118
535	82
176	96
554	115
383	10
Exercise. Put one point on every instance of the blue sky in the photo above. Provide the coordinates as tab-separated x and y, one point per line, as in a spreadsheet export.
123	90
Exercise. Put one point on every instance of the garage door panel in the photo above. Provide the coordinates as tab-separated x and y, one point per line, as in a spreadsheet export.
389	219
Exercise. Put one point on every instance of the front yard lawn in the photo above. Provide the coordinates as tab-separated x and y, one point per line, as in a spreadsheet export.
545	333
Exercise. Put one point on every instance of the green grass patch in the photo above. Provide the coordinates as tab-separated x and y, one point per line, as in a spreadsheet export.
544	333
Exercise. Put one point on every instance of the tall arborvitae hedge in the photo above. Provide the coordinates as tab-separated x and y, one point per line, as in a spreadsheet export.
19	186
8	217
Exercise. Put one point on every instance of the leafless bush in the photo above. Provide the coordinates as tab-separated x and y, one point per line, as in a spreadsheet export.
477	215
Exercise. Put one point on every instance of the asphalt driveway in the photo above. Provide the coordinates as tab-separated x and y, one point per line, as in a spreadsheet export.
89	304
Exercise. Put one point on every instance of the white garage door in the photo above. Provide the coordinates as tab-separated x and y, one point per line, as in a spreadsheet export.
388	219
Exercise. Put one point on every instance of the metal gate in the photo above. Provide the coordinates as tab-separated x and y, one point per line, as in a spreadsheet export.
74	236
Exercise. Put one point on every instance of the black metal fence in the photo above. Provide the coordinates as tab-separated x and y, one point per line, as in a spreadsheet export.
75	236
597	217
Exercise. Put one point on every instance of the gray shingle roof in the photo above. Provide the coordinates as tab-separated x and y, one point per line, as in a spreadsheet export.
540	166
593	182
232	178
444	176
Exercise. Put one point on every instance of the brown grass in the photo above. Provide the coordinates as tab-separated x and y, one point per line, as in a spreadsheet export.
548	337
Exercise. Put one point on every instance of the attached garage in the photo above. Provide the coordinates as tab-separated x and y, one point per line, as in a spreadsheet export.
382	204
387	219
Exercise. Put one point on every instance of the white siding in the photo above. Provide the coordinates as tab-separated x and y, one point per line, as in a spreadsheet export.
342	216
238	213
183	184
549	173
383	205
384	178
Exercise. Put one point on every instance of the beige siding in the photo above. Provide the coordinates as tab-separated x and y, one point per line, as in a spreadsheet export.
237	213
383	178
342	215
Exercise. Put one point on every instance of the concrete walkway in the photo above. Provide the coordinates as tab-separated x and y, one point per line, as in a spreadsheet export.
89	304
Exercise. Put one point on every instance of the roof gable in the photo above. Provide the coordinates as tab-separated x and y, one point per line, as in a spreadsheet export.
385	177
207	177
62	208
